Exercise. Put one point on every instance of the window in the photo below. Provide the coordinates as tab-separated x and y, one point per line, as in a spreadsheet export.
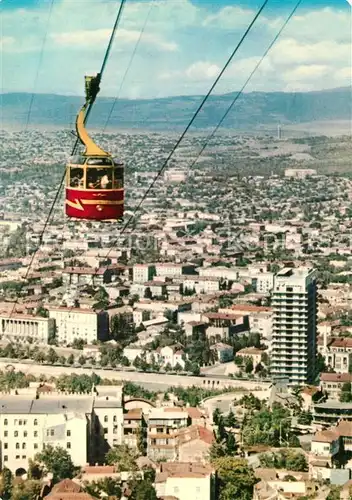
105	418
76	177
17	446
115	418
35	446
17	457
24	457
35	422
23	446
105	430
68	433
25	434
68	446
99	178
35	434
6	433
15	434
5	446
5	421
20	422
6	458
51	432
118	178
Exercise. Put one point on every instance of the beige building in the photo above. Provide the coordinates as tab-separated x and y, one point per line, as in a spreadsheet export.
185	481
22	327
163	426
74	323
75	422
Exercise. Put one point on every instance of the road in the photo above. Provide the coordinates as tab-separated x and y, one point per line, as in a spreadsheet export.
153	381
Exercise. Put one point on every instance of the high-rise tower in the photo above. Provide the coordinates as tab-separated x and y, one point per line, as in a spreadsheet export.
294	302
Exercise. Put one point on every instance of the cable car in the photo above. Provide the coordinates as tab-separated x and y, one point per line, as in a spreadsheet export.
94	179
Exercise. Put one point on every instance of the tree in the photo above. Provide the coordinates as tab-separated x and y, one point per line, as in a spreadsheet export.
6	483
124	457
82	360
231	445
305	418
217	450
230	419
107	486
346	393
52	356
236	479
249	365
144	490
26	490
57	461
71	359
216	416
78	343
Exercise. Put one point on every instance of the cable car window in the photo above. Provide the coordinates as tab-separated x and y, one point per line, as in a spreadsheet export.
99	161
77	160
76	177
99	178
118	178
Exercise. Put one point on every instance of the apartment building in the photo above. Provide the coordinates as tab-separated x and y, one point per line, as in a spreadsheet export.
163	426
263	282
75	323
171	269
134	428
294	345
143	273
22	327
86	275
337	353
31	421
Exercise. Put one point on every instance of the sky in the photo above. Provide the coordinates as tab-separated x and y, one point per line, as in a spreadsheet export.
47	46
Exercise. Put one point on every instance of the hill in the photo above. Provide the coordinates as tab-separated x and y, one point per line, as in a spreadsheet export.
254	109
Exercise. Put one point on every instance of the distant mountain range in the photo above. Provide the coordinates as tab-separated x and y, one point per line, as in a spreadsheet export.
254	109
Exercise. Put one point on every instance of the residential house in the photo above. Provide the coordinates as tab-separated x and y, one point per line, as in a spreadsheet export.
185	481
224	352
163	427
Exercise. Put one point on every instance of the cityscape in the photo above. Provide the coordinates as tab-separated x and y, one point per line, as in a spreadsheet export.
213	333
175	250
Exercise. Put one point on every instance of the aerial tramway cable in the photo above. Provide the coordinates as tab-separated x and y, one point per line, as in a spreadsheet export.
238	95
190	123
39	64
105	60
129	65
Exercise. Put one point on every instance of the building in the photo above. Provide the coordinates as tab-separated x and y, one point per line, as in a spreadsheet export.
86	276
294	345
299	173
75	323
21	328
134	428
184	481
337	353
332	383
263	282
163	426
224	352
331	412
143	273
76	422
173	355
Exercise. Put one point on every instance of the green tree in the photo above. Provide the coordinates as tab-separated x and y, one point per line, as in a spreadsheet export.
346	393
57	461
230	419
216	416
124	457
236	479
144	490
6	483
26	490
107	486
71	359
52	356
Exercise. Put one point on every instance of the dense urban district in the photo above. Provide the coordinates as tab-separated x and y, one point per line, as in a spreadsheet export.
202	348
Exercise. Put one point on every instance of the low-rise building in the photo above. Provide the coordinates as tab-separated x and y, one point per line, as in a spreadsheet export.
185	481
163	427
224	352
75	323
22	327
332	383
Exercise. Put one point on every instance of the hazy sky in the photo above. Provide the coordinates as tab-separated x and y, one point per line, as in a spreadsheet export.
184	45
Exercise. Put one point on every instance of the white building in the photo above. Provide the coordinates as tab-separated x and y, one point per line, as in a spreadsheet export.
143	273
28	422
163	426
21	327
74	323
185	481
294	348
264	282
173	355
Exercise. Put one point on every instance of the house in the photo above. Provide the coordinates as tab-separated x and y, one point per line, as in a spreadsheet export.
173	355
185	481
332	383
253	353
224	352
67	490
194	443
